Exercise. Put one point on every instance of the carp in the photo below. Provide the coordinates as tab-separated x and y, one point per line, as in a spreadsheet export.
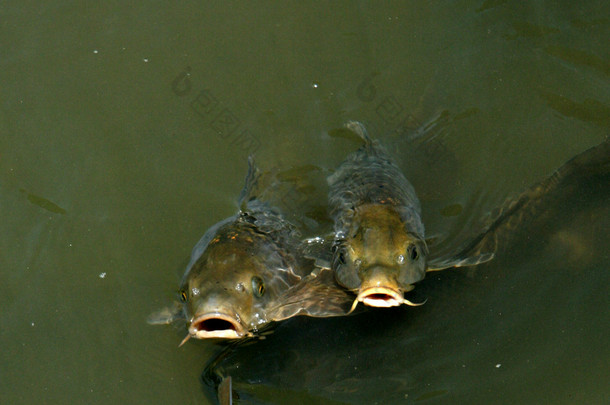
247	271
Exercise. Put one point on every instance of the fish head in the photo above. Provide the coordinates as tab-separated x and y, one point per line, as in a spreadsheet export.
227	290
378	257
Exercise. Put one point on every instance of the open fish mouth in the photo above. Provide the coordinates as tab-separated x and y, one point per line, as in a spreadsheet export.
216	325
383	297
380	289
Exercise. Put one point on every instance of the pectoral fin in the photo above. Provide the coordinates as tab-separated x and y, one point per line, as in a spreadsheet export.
445	263
316	295
166	315
225	391
319	250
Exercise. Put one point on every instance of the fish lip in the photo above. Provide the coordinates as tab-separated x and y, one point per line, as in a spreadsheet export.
381	297
216	325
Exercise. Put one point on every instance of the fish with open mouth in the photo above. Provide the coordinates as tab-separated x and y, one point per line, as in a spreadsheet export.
379	248
247	271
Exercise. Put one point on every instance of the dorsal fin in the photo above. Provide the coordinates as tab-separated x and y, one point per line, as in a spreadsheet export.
250	189
371	146
358	128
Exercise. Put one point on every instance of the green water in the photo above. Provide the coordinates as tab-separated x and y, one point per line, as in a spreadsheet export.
113	163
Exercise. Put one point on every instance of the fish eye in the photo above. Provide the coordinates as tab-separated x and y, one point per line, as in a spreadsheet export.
413	254
183	295
258	287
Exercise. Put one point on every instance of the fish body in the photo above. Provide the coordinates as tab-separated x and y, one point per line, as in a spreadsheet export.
379	249
247	271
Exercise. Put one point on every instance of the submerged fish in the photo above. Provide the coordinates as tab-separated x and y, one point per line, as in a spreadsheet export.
247	271
588	171
379	244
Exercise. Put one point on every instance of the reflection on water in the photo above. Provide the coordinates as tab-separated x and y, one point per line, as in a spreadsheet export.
121	176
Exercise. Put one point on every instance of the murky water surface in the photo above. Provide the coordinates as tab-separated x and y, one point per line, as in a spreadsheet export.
124	135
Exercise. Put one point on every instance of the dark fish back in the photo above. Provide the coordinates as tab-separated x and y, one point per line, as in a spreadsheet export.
368	176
